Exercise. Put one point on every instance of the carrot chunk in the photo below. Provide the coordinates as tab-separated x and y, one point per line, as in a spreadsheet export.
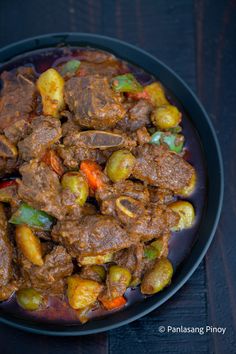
53	161
93	174
114	303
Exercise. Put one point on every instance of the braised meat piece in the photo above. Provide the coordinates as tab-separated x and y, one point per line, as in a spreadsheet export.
44	132
98	62
50	277
40	187
93	102
157	220
8	166
106	68
17	98
94	145
160	195
92	235
96	56
88	272
17	130
6	252
8	279
137	117
128	188
69	126
73	155
157	166
121	198
132	259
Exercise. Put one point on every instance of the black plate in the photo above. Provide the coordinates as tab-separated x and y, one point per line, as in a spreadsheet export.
214	172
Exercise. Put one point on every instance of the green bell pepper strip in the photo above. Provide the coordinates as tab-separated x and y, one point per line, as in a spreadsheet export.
32	217
70	67
175	142
126	83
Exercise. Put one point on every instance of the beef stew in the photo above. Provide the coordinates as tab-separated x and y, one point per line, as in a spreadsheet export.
92	174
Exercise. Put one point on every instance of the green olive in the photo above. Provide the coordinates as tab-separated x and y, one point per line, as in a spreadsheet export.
118	279
29	299
158	277
76	183
186	213
120	165
166	117
119	274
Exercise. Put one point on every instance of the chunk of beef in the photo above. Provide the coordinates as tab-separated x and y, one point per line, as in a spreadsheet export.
88	272
17	130
73	155
8	166
10	195
93	102
108	195
160	195
50	277
95	56
45	131
92	235
17	98
128	188
6	252
158	166
72	209
132	259
138	116
9	282
40	187
99	62
69	126
157	220
92	145
108	69
113	289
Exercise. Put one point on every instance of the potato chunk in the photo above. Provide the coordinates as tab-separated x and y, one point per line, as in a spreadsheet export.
82	292
99	259
51	87
156	94
29	244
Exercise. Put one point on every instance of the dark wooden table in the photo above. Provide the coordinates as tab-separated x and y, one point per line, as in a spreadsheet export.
198	40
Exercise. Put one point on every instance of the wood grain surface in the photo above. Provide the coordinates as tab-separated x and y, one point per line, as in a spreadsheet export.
198	40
